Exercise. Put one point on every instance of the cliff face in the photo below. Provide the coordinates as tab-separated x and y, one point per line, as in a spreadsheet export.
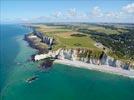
88	56
45	38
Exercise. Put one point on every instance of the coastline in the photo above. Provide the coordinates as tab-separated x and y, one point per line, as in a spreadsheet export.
101	68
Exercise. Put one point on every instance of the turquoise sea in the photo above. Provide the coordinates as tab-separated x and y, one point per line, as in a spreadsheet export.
62	82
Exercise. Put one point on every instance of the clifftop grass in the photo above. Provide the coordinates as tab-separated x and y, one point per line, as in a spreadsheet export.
67	38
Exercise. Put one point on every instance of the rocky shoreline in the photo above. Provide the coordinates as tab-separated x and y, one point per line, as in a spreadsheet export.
35	43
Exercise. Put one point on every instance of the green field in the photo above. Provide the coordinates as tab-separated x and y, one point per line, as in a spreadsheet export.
67	38
106	30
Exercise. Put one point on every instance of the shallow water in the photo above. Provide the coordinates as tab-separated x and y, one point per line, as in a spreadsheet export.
9	48
62	82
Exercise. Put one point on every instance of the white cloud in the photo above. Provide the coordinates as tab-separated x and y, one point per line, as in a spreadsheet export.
123	14
96	12
40	19
57	14
72	12
82	15
129	8
112	15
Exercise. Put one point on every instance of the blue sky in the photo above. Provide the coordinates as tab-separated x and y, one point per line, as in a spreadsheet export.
67	11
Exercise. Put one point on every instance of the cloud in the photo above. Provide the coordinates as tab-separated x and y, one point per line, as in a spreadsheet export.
57	14
35	19
112	15
83	15
96	12
129	8
71	12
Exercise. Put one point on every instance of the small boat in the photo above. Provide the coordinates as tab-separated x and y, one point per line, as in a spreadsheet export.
30	80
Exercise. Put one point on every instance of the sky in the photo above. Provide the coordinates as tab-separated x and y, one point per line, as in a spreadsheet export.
18	11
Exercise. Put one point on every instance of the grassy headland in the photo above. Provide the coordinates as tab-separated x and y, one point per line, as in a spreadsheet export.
118	39
68	38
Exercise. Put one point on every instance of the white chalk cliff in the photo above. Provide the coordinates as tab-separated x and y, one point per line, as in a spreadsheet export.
85	56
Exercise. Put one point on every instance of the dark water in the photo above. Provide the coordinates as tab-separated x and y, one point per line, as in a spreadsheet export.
62	82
